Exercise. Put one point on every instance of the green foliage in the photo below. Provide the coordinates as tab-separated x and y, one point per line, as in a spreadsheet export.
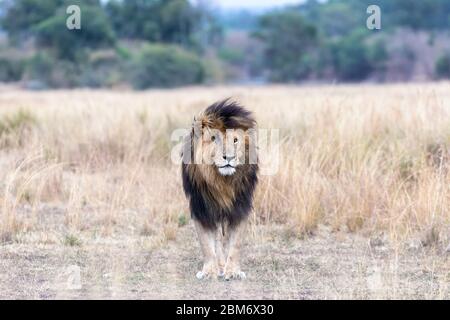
95	32
289	42
442	68
46	21
22	15
99	69
123	52
165	66
378	57
11	69
377	51
178	21
351	57
418	15
71	240
232	56
240	20
40	66
48	71
342	16
182	220
135	19
338	19
295	50
169	21
314	40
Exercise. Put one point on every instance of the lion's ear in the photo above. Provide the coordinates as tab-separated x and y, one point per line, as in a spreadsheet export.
196	129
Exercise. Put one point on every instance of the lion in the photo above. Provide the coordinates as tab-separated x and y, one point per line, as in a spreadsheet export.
220	174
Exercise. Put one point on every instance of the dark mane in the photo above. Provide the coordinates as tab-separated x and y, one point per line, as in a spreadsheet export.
209	212
232	115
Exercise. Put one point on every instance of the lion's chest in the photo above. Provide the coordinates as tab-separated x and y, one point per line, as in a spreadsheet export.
222	194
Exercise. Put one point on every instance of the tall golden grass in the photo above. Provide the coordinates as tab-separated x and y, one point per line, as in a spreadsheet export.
360	158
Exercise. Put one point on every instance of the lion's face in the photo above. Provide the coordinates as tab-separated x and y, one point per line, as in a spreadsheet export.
223	150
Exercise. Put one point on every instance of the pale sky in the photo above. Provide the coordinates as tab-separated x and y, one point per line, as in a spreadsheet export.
233	4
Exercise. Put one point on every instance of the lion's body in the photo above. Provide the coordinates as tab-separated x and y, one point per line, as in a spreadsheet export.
220	199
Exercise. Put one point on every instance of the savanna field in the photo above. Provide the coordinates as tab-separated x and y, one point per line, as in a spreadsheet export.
91	205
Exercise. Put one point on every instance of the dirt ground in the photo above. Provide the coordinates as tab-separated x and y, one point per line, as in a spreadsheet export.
324	266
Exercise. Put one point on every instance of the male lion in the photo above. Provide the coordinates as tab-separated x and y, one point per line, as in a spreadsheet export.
219	173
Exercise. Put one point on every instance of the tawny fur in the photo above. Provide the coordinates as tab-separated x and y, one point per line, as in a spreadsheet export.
214	198
220	195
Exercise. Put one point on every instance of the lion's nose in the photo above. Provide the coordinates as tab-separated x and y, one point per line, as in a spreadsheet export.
228	158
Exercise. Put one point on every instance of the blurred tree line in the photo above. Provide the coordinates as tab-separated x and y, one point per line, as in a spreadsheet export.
166	43
334	41
143	42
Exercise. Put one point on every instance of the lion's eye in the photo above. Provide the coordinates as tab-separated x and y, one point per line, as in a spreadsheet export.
213	138
235	140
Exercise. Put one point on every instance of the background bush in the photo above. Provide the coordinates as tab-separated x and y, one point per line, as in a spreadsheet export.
443	66
165	66
351	57
11	69
311	41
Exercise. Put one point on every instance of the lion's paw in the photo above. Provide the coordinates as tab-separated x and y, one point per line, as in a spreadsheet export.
208	271
202	275
234	275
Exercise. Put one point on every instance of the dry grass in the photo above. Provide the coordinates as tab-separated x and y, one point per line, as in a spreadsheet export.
357	158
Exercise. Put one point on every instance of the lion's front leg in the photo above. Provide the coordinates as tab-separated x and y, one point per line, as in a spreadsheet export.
233	241
220	254
207	240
